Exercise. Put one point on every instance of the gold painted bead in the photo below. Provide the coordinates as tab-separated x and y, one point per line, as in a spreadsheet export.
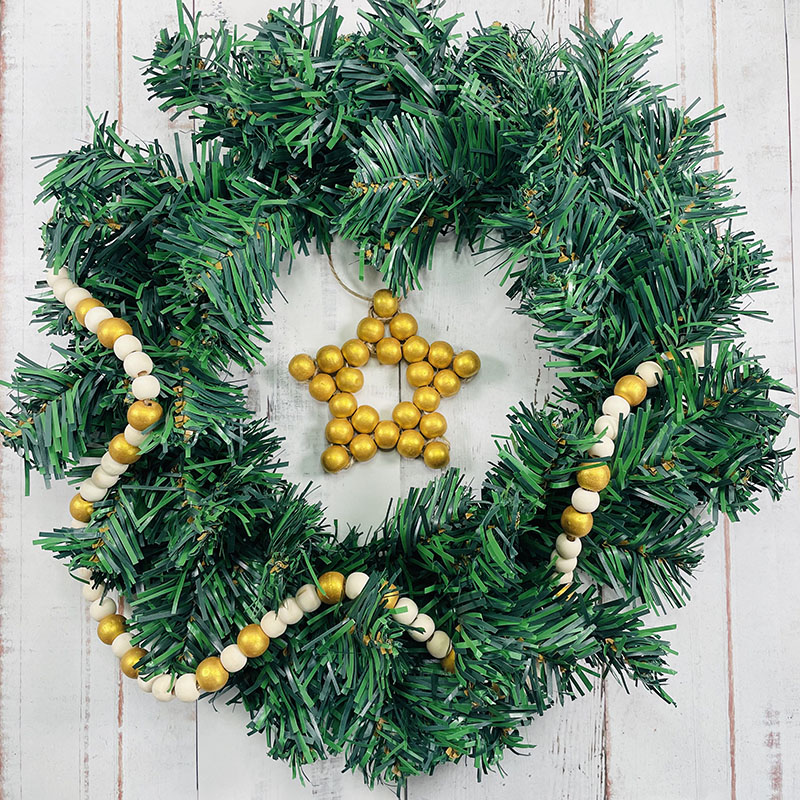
449	662
334	458
144	413
363	447
110	627
330	358
415	349
302	367
419	374
593	476
81	509
355	352
338	431
389	351
410	444
631	388
370	329
431	426
123	451
390	596
211	676
252	641
343	404
321	387
576	523
447	383
436	455
384	303
350	379
84	307
132	657
406	415
440	355
386	434
466	364
426	398
402	326
331	587
109	330
365	419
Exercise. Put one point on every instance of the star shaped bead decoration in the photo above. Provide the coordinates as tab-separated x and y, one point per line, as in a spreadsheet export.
356	432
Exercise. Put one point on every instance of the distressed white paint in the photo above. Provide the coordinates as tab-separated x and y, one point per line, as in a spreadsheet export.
735	728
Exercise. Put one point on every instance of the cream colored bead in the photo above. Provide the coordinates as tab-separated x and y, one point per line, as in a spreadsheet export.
307	598
91	593
185	688
94	316
585	501
406	610
697	354
61	287
272	626
74	296
566	577
162	688
606	425
125	345
91	492
355	583
145	387
103	479
136	364
616	407
650	372
602	449
563	565
232	658
81	573
51	277
427	626
133	436
439	644
146	685
568	548
77	523
102	608
112	467
289	612
121	644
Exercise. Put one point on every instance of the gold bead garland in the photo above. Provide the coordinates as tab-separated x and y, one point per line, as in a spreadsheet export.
434	370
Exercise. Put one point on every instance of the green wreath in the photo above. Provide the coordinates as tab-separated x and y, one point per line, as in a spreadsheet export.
589	189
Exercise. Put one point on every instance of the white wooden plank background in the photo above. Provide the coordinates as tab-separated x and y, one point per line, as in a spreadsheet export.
68	726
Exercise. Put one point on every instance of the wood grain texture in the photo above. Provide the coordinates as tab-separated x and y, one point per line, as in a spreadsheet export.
735	731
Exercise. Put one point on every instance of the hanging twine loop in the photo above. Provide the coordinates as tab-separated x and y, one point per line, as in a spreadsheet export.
344	285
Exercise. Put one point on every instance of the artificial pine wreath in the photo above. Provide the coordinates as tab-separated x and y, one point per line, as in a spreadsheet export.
592	193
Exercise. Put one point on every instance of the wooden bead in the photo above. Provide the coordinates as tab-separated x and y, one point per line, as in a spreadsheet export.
562	564
419	374
405	415
606	426
110	627
650	372
330	358
334	458
145	387
449	662
94	316
81	509
593	476
211	675
132	657
355	583
466	364
232	658
384	303
426	398
331	587
616	407
415	349
349	379
302	367
389	351
568	547
446	382
576	523
143	414
405	610
86	305
355	352
363	447
431	426
631	388
122	451
252	641
422	628
75	296
126	345
386	434
109	330
436	455
440	355
602	449
338	431
390	596
585	501
342	404
370	330
365	418
185	688
307	598
402	326
439	644
410	444
321	387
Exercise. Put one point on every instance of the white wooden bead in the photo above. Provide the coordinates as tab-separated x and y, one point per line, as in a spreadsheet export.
355	583
90	492
289	612
232	658
307	598
94	316
566	577
602	449
61	287
439	644
51	277
650	372
81	573
133	436
568	548
146	685
100	609
272	626
77	523
112	467
585	501
91	593
137	364
697	354
125	345
606	425
121	644
406	610
145	387
103	479
427	626
563	565
74	296
616	407
162	688
186	688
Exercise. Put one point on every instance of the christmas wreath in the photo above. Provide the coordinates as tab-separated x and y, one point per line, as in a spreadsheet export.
593	195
